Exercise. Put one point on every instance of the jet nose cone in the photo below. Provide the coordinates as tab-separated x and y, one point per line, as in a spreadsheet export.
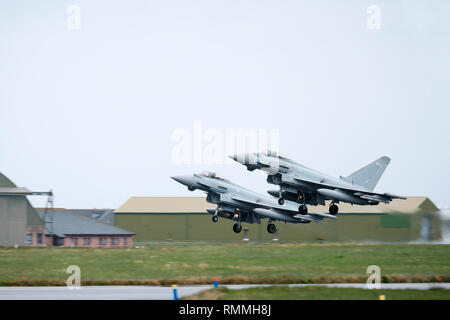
186	180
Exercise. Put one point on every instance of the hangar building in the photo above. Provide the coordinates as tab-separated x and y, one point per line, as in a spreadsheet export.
19	222
185	218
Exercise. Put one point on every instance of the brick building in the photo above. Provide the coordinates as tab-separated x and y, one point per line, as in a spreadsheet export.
72	229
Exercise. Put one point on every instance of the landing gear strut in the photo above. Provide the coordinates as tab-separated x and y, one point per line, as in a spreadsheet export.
280	199
271	228
237	214
333	209
303	209
237	227
215	218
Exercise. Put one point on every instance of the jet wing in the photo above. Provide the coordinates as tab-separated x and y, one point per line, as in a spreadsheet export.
322	215
380	197
315	216
261	203
222	189
394	196
257	203
373	198
318	184
367	195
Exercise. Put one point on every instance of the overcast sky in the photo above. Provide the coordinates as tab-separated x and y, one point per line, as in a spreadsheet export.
91	112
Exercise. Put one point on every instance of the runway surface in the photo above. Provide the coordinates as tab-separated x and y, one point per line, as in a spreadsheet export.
159	292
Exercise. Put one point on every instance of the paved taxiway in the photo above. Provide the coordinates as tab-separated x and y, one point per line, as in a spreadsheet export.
159	292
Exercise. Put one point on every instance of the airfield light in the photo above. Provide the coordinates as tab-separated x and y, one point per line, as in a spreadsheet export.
175	293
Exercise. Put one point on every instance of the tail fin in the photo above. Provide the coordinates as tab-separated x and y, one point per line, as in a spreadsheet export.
369	175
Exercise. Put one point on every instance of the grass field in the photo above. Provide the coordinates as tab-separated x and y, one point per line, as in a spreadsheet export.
197	263
318	293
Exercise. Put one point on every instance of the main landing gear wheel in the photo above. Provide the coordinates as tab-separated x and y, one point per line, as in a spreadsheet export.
280	201
237	227
334	209
303	209
215	218
271	228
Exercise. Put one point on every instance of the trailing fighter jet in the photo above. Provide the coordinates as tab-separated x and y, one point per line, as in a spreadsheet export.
307	186
243	205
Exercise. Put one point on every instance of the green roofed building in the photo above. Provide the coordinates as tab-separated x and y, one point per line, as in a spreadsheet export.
185	218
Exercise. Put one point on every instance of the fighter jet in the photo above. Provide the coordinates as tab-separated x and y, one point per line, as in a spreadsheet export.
307	186
243	205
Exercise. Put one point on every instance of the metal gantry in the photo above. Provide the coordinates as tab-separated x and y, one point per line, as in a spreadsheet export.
47	214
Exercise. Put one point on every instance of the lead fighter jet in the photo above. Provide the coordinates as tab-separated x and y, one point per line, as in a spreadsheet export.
243	205
307	186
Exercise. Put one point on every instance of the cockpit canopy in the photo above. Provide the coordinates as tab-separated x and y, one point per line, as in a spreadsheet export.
210	174
271	153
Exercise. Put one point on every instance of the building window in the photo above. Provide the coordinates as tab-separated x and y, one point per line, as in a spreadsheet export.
125	240
29	238
115	241
86	241
74	241
102	241
39	238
